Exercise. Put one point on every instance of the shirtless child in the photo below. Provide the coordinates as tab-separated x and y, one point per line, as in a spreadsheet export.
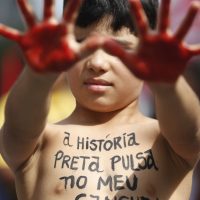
106	149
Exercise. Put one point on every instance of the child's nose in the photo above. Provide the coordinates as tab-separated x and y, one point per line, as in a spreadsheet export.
98	62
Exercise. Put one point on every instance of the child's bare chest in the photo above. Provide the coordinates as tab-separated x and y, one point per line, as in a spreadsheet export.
122	166
117	166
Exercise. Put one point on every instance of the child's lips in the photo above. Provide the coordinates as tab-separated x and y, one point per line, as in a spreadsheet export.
97	85
92	81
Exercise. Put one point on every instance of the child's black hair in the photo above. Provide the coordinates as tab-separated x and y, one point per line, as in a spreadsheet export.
93	11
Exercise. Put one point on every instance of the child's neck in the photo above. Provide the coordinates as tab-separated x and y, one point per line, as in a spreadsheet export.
84	116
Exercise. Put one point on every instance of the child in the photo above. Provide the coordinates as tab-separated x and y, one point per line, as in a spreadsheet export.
106	149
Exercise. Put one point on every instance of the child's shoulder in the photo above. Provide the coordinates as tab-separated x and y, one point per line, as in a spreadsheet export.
149	123
147	128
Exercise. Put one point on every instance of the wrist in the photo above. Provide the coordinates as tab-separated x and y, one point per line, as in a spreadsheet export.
162	87
48	78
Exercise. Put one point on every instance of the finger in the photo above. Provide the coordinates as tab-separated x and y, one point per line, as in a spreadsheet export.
10	33
163	23
114	48
187	22
139	17
90	45
48	9
71	10
194	50
27	12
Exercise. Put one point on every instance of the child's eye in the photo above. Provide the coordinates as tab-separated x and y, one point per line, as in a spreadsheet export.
79	40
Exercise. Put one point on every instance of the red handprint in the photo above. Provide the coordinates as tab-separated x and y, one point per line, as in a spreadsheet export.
160	55
50	45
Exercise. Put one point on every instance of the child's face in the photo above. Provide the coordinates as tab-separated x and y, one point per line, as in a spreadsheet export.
101	82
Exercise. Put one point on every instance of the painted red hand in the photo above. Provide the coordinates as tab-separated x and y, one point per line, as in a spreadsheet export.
50	45
160	55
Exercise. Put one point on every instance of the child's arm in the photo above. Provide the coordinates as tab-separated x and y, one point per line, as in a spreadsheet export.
160	59
49	46
178	113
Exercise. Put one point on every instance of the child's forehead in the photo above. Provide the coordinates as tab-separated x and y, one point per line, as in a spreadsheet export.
103	27
123	36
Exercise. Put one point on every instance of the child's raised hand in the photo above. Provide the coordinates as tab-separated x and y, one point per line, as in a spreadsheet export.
50	45
160	55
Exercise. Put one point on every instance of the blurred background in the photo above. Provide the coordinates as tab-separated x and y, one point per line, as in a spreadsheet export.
11	65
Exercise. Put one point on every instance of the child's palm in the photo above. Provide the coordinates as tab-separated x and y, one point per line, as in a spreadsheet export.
46	48
50	45
160	56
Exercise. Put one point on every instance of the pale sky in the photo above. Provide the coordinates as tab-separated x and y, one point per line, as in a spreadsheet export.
38	7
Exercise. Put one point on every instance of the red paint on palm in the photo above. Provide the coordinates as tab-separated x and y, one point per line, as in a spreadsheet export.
160	58
50	45
46	48
160	55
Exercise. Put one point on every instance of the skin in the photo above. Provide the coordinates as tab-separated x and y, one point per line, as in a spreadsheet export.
106	92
